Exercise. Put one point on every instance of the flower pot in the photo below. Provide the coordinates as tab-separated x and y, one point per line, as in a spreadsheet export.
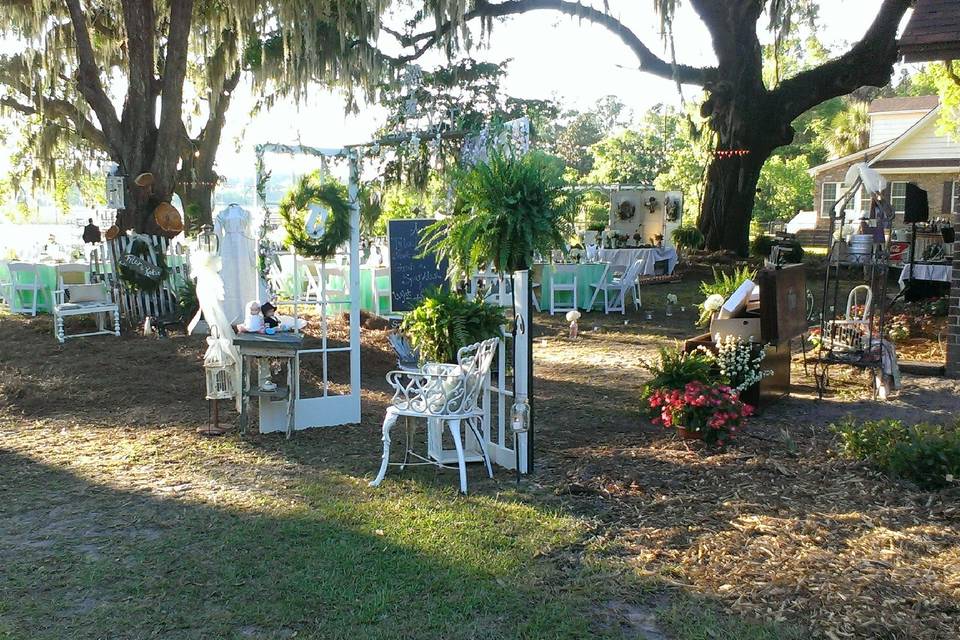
689	434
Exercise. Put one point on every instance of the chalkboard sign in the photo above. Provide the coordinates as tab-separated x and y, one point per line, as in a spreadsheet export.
411	276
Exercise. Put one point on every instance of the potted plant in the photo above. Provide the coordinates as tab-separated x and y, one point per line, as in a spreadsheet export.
674	368
445	322
712	413
506	209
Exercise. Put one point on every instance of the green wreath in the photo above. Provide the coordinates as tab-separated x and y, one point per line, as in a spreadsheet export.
294	207
138	281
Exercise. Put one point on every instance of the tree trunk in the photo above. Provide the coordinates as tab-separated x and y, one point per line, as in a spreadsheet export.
728	199
196	196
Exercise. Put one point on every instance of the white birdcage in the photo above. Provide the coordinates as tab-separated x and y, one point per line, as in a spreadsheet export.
219	365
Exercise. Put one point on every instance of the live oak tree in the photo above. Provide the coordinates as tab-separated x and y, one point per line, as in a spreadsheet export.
125	78
745	114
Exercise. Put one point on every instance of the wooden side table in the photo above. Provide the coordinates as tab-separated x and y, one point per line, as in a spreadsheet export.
278	346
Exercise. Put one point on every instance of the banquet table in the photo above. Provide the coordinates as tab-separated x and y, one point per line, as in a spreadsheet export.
367	302
927	271
587	274
48	284
649	255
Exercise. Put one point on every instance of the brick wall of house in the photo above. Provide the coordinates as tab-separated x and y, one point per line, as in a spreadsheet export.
932	183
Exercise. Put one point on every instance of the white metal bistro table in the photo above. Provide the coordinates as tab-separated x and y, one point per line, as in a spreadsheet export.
283	346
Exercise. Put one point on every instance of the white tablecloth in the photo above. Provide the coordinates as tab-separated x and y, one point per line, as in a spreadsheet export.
649	256
941	272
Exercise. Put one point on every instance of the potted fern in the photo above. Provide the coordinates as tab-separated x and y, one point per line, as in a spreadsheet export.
506	209
445	322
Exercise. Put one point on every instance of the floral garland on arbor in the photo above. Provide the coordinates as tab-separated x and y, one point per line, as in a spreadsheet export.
294	210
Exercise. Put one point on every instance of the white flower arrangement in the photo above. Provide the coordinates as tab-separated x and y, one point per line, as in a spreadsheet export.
671	298
713	303
738	361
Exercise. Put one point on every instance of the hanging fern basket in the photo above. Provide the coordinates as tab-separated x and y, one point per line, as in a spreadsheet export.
316	216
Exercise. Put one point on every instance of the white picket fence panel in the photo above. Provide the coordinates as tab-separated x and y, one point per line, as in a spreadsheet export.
136	305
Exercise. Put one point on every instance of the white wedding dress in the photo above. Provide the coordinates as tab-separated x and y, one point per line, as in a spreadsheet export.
238	255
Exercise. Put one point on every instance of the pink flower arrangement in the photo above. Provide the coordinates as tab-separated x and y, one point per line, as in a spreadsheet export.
714	412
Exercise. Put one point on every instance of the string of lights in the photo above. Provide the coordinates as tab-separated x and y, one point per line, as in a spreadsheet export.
731	153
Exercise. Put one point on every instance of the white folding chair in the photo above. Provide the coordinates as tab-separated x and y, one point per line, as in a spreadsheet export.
4	283
25	279
619	286
378	293
446	393
76	273
566	283
335	286
312	289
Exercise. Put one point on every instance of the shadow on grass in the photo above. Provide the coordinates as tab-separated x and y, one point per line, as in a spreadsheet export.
321	556
86	560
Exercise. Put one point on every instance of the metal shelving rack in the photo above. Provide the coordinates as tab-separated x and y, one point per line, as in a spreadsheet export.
865	353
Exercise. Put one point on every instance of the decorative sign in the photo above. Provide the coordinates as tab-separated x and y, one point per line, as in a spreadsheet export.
410	275
141	266
114	192
317	220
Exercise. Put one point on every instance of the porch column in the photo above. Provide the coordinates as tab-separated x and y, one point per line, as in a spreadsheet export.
953	324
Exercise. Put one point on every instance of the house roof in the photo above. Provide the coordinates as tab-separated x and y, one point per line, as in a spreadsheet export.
909	103
864	155
933	32
909	133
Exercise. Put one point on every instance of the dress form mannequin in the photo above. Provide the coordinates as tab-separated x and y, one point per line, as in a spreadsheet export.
238	252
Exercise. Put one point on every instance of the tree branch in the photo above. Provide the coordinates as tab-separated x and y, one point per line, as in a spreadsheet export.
869	62
57	108
171	101
948	65
209	137
649	61
88	78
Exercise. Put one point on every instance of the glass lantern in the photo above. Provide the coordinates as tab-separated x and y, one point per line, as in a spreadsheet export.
207	240
520	415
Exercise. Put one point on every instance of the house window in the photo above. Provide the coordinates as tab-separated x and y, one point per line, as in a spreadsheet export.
828	198
955	209
863	201
898	197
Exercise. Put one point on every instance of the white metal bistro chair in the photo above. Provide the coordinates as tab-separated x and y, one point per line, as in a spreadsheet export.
565	284
447	393
616	289
25	279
